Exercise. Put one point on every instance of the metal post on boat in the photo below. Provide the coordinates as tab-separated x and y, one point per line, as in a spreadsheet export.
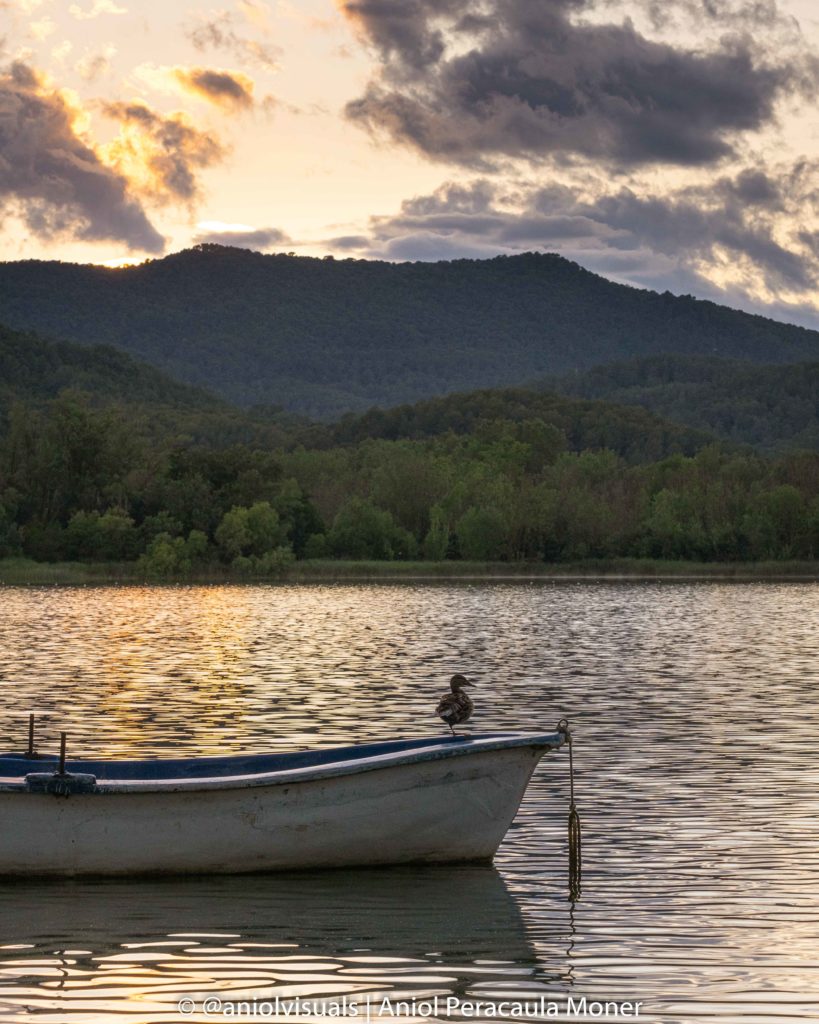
61	770
575	845
30	751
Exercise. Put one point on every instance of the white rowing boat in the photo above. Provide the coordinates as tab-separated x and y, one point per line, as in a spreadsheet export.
401	801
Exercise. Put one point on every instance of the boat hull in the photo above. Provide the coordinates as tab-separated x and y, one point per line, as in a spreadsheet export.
448	808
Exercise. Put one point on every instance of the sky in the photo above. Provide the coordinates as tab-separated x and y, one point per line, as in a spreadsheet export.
668	144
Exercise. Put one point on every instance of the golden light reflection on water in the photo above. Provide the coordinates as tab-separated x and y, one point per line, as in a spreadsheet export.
697	723
136	662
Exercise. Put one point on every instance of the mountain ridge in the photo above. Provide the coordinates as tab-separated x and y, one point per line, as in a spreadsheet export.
324	336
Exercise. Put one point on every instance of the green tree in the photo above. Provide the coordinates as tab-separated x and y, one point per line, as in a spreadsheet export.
778	523
118	537
233	533
9	535
672	528
275	562
82	537
161	522
482	534
436	542
248	532
266	530
360	530
173	556
298	515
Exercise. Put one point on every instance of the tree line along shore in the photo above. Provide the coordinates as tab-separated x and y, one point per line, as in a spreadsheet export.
89	485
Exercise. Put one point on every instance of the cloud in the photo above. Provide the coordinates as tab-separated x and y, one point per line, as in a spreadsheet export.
97	8
242	236
476	84
255	11
219	33
721	14
230	90
62	50
42	28
737	238
349	242
161	155
92	65
54	179
738	216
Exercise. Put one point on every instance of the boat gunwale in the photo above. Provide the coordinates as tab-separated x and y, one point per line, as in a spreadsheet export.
448	747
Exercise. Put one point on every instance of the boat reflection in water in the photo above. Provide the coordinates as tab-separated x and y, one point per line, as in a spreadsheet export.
89	951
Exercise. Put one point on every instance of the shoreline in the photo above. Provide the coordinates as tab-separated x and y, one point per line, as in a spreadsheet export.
24	572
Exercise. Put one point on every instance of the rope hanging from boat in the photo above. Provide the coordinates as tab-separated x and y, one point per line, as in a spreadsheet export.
575	841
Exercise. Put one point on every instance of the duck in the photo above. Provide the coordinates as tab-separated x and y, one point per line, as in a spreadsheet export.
455	707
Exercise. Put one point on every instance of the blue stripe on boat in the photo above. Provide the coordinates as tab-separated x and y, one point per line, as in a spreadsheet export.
18	765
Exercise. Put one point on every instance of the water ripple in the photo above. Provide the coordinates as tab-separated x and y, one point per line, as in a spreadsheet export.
694	707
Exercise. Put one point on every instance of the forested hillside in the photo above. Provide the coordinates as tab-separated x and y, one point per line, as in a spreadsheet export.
324	337
771	407
33	368
105	459
635	435
33	371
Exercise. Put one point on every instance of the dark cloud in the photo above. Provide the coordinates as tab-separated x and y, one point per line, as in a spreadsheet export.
348	242
738	14
161	155
676	241
473	198
460	220
226	89
219	33
252	238
701	223
53	178
533	78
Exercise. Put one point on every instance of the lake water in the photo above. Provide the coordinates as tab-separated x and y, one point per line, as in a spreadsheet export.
695	708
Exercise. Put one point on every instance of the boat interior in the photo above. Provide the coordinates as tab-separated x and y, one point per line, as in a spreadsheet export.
18	765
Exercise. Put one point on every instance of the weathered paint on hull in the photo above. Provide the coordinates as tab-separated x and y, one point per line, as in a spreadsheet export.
453	809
